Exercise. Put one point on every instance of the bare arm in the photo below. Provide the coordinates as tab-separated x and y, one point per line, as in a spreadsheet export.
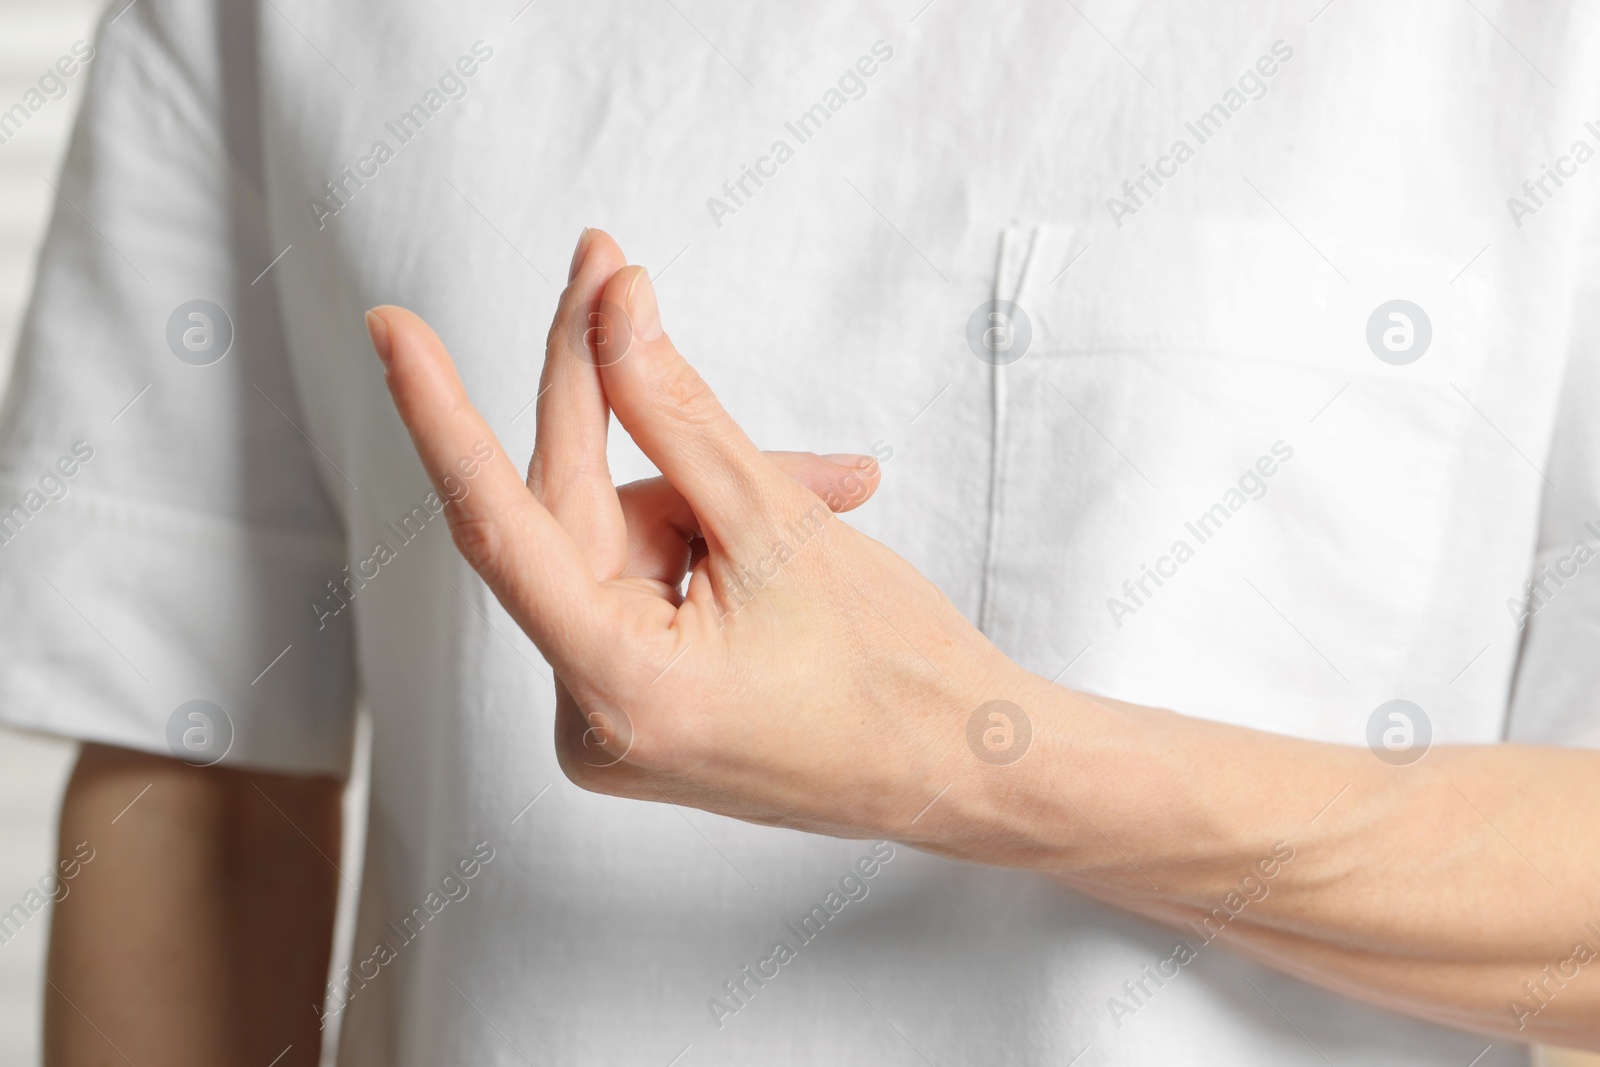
199	932
1457	889
808	677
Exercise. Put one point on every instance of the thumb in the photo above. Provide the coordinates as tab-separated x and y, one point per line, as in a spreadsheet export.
677	421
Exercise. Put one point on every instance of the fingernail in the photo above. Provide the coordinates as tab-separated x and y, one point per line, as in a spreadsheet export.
378	330
642	309
579	254
848	459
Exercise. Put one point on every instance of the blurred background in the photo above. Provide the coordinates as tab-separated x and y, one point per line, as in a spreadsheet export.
34	769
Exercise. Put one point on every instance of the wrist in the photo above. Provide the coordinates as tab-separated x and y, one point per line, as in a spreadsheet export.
1093	790
1018	750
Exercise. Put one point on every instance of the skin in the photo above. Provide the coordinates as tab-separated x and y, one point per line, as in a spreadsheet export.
199	931
832	691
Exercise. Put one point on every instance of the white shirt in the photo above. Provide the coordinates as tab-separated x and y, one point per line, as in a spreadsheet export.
1183	337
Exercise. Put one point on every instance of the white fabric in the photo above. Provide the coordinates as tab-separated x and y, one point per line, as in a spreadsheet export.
1174	347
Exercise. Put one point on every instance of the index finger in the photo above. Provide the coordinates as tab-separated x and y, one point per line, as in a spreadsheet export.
507	536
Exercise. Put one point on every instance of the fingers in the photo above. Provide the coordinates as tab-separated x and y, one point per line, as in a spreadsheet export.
661	523
568	472
524	555
843	482
677	421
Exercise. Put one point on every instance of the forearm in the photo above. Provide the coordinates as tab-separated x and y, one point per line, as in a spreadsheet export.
1466	994
200	931
1437	889
808	677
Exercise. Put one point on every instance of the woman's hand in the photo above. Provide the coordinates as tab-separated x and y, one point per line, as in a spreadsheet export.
807	677
811	678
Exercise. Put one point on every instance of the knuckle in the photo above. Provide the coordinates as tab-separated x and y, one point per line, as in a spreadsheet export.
536	477
684	389
611	765
478	540
583	775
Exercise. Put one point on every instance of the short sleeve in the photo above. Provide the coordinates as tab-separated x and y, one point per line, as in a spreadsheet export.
1556	698
165	528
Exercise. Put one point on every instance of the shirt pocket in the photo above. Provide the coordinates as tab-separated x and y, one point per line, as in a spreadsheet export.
1210	492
